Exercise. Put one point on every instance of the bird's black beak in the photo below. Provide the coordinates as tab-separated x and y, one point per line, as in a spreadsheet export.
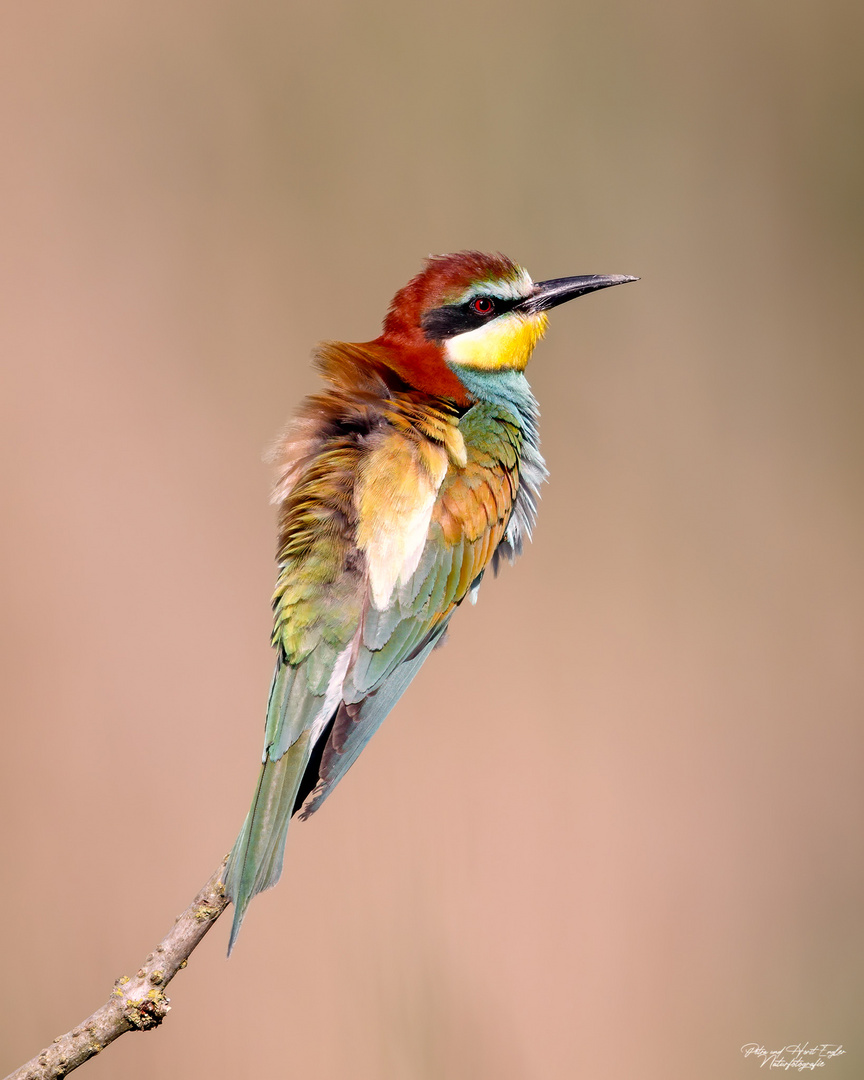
549	294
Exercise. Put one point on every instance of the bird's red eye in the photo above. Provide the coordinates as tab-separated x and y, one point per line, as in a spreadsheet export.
482	305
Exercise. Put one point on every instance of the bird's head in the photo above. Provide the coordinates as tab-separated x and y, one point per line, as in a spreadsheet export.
470	311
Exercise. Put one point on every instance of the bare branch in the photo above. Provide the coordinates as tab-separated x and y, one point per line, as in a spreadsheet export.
138	1002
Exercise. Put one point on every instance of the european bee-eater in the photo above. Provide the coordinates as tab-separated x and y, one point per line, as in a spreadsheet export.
416	468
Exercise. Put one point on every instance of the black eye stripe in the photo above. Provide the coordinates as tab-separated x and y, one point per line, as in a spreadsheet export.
446	322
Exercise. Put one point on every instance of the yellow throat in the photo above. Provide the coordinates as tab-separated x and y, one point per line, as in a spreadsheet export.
505	343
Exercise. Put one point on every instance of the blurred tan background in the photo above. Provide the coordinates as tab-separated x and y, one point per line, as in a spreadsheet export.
614	830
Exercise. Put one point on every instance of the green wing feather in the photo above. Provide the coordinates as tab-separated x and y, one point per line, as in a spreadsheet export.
469	521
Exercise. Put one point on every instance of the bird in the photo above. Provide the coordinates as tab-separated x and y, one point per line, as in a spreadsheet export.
416	469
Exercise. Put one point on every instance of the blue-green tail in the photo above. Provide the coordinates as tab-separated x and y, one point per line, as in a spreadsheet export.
255	862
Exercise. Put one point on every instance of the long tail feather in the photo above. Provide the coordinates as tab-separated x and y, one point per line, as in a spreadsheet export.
255	862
